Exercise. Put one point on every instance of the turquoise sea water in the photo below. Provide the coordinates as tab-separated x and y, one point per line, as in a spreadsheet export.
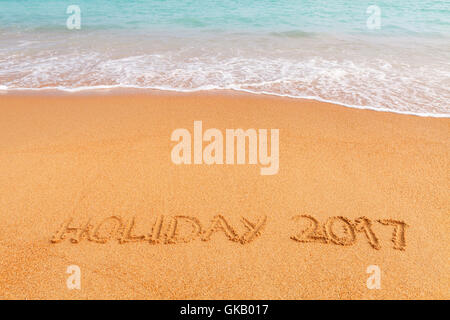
300	48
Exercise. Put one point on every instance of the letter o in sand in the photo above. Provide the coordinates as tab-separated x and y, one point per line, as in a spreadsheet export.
115	225
349	236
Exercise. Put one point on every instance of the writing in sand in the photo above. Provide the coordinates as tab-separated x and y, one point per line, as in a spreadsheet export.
336	230
165	230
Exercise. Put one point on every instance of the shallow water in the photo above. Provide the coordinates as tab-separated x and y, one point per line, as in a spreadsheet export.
315	49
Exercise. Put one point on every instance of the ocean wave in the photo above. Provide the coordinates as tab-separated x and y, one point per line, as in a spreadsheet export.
378	84
281	48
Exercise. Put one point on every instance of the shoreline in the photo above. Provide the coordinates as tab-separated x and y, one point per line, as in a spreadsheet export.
375	183
144	91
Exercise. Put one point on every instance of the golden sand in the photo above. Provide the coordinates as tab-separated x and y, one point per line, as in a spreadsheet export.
376	185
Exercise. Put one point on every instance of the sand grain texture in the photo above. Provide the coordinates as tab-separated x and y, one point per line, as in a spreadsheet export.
99	156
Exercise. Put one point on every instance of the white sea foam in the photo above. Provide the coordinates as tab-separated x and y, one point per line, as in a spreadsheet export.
369	76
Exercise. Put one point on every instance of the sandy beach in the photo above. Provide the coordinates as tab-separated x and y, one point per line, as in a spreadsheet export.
88	180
